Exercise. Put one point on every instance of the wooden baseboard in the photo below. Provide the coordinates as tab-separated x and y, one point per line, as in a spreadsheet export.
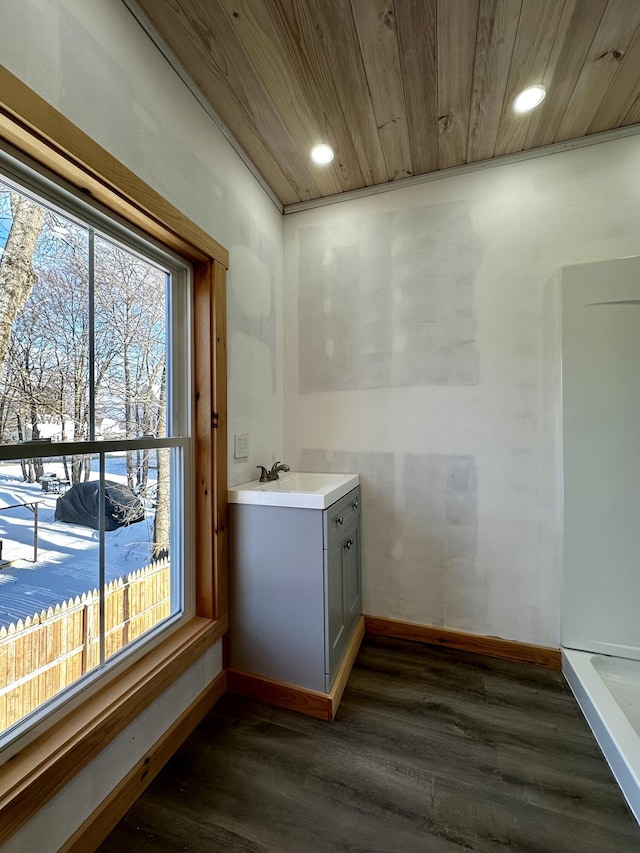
102	820
346	666
313	703
301	699
492	646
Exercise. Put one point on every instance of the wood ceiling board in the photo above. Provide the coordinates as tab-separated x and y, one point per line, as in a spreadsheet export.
612	39
234	88
622	93
578	25
216	63
497	28
398	87
537	29
633	116
256	33
300	40
376	26
457	26
338	40
416	23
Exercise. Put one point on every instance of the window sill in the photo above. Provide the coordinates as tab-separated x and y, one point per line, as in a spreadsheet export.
39	771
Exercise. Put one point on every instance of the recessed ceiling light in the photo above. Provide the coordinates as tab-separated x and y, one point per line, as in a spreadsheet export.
322	154
529	98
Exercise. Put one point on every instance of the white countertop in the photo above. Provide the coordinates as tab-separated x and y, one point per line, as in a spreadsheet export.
296	489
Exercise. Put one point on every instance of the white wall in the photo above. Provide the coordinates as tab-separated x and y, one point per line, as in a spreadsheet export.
420	351
92	62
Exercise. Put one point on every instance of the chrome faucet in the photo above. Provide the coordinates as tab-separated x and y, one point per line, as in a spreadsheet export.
267	476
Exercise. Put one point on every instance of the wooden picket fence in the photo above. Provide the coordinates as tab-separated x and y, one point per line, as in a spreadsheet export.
45	653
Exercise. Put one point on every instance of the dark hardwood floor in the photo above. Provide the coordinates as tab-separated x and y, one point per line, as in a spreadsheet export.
432	750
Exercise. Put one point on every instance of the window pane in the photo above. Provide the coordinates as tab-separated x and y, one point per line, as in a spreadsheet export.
139	591
44	333
131	345
49	582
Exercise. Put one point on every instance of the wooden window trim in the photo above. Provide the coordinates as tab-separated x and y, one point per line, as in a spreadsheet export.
44	766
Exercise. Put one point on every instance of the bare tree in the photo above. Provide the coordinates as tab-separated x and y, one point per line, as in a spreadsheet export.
17	275
162	518
131	306
7	404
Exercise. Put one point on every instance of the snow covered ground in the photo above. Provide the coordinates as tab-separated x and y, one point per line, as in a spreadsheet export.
67	553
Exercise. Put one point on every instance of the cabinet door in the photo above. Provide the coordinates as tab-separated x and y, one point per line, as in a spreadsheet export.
352	577
344	596
336	634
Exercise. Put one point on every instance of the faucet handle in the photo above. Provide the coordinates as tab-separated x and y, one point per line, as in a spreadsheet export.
264	474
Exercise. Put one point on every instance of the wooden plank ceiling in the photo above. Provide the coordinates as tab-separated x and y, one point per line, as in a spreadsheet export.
402	87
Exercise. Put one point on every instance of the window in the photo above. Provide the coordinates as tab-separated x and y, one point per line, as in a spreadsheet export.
75	733
95	449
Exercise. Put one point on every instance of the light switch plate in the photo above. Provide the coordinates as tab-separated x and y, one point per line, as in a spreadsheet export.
241	446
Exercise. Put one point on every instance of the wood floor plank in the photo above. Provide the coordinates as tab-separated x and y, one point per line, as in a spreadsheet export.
550	781
432	750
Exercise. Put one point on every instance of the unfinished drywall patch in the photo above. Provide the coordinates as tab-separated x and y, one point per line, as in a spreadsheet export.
440	494
253	304
254	343
251	313
387	300
419	532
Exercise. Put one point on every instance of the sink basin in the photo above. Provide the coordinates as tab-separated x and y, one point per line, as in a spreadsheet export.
296	489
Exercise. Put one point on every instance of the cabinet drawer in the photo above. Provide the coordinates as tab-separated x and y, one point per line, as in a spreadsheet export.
340	516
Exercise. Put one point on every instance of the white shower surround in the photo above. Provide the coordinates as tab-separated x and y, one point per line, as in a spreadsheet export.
600	402
608	692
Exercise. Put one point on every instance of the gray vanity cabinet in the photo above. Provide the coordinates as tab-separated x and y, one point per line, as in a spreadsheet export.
295	590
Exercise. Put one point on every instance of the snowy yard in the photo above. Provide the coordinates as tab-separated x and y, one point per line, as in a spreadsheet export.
67	553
